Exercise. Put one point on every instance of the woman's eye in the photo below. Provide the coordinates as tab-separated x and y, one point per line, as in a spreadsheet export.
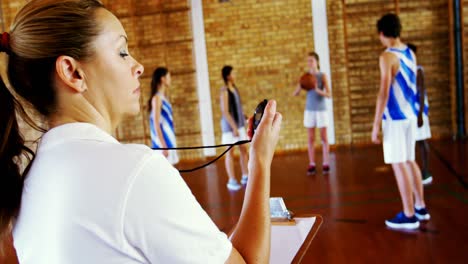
123	54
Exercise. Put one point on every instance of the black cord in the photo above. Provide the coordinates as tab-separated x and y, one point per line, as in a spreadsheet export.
241	142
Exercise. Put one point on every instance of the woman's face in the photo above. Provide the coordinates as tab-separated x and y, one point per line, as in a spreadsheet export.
111	74
312	62
167	80
232	77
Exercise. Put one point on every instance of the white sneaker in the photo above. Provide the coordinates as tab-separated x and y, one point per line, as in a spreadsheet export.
427	180
244	179
233	185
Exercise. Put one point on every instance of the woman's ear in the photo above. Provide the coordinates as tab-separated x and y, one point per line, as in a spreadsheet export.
69	73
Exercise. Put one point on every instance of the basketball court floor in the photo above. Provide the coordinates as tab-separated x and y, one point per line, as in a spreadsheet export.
354	199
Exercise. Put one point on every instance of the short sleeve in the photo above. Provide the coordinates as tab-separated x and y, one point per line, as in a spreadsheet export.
163	221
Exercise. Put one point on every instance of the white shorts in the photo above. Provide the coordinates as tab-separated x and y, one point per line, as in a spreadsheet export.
229	138
315	119
399	140
173	158
423	132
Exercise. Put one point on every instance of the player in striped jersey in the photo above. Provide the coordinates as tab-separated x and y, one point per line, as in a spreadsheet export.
396	114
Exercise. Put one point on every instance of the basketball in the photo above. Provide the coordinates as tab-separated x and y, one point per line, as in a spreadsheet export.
308	81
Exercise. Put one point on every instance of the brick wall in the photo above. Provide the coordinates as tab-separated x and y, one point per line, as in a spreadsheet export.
363	49
339	72
266	42
160	34
426	24
355	49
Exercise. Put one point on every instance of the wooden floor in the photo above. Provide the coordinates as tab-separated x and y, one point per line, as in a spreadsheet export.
354	199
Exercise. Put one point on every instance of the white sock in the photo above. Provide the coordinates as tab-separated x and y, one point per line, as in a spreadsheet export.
232	180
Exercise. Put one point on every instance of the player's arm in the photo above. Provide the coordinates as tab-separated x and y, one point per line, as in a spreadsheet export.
326	92
421	86
385	64
297	91
225	111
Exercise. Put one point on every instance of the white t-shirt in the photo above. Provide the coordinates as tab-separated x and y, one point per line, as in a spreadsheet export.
89	199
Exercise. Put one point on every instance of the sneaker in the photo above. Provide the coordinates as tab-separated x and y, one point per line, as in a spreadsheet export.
233	185
244	179
325	168
422	214
427	178
311	169
401	221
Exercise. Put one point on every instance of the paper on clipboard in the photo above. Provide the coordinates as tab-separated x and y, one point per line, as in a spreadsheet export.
286	240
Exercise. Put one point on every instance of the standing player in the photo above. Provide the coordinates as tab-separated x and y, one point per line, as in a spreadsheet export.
395	105
423	131
233	127
161	120
315	114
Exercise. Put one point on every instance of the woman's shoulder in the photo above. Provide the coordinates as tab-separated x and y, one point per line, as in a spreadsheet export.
156	98
224	88
321	74
135	157
127	152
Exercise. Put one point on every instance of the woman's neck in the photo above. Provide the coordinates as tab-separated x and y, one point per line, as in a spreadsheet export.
162	89
313	70
81	111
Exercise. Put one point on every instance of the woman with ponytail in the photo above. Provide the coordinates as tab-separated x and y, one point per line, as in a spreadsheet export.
161	121
86	198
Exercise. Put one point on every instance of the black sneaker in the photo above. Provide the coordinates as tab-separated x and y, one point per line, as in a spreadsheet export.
401	221
422	214
311	169
325	168
427	178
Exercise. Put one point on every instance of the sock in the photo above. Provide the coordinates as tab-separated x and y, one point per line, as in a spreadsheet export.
418	207
233	181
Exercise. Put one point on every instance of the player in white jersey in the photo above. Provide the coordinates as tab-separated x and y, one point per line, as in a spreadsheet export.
396	114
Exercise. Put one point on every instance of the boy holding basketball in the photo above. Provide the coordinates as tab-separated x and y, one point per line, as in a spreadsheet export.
315	114
397	116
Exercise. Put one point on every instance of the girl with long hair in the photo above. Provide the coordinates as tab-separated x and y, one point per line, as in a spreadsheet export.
161	118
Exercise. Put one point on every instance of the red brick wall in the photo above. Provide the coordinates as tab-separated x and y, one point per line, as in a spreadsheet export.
425	23
354	60
160	34
339	72
266	42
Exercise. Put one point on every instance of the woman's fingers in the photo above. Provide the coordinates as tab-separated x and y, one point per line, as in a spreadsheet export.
268	114
277	122
250	128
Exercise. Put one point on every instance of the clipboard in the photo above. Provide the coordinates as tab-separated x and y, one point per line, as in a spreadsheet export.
290	240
